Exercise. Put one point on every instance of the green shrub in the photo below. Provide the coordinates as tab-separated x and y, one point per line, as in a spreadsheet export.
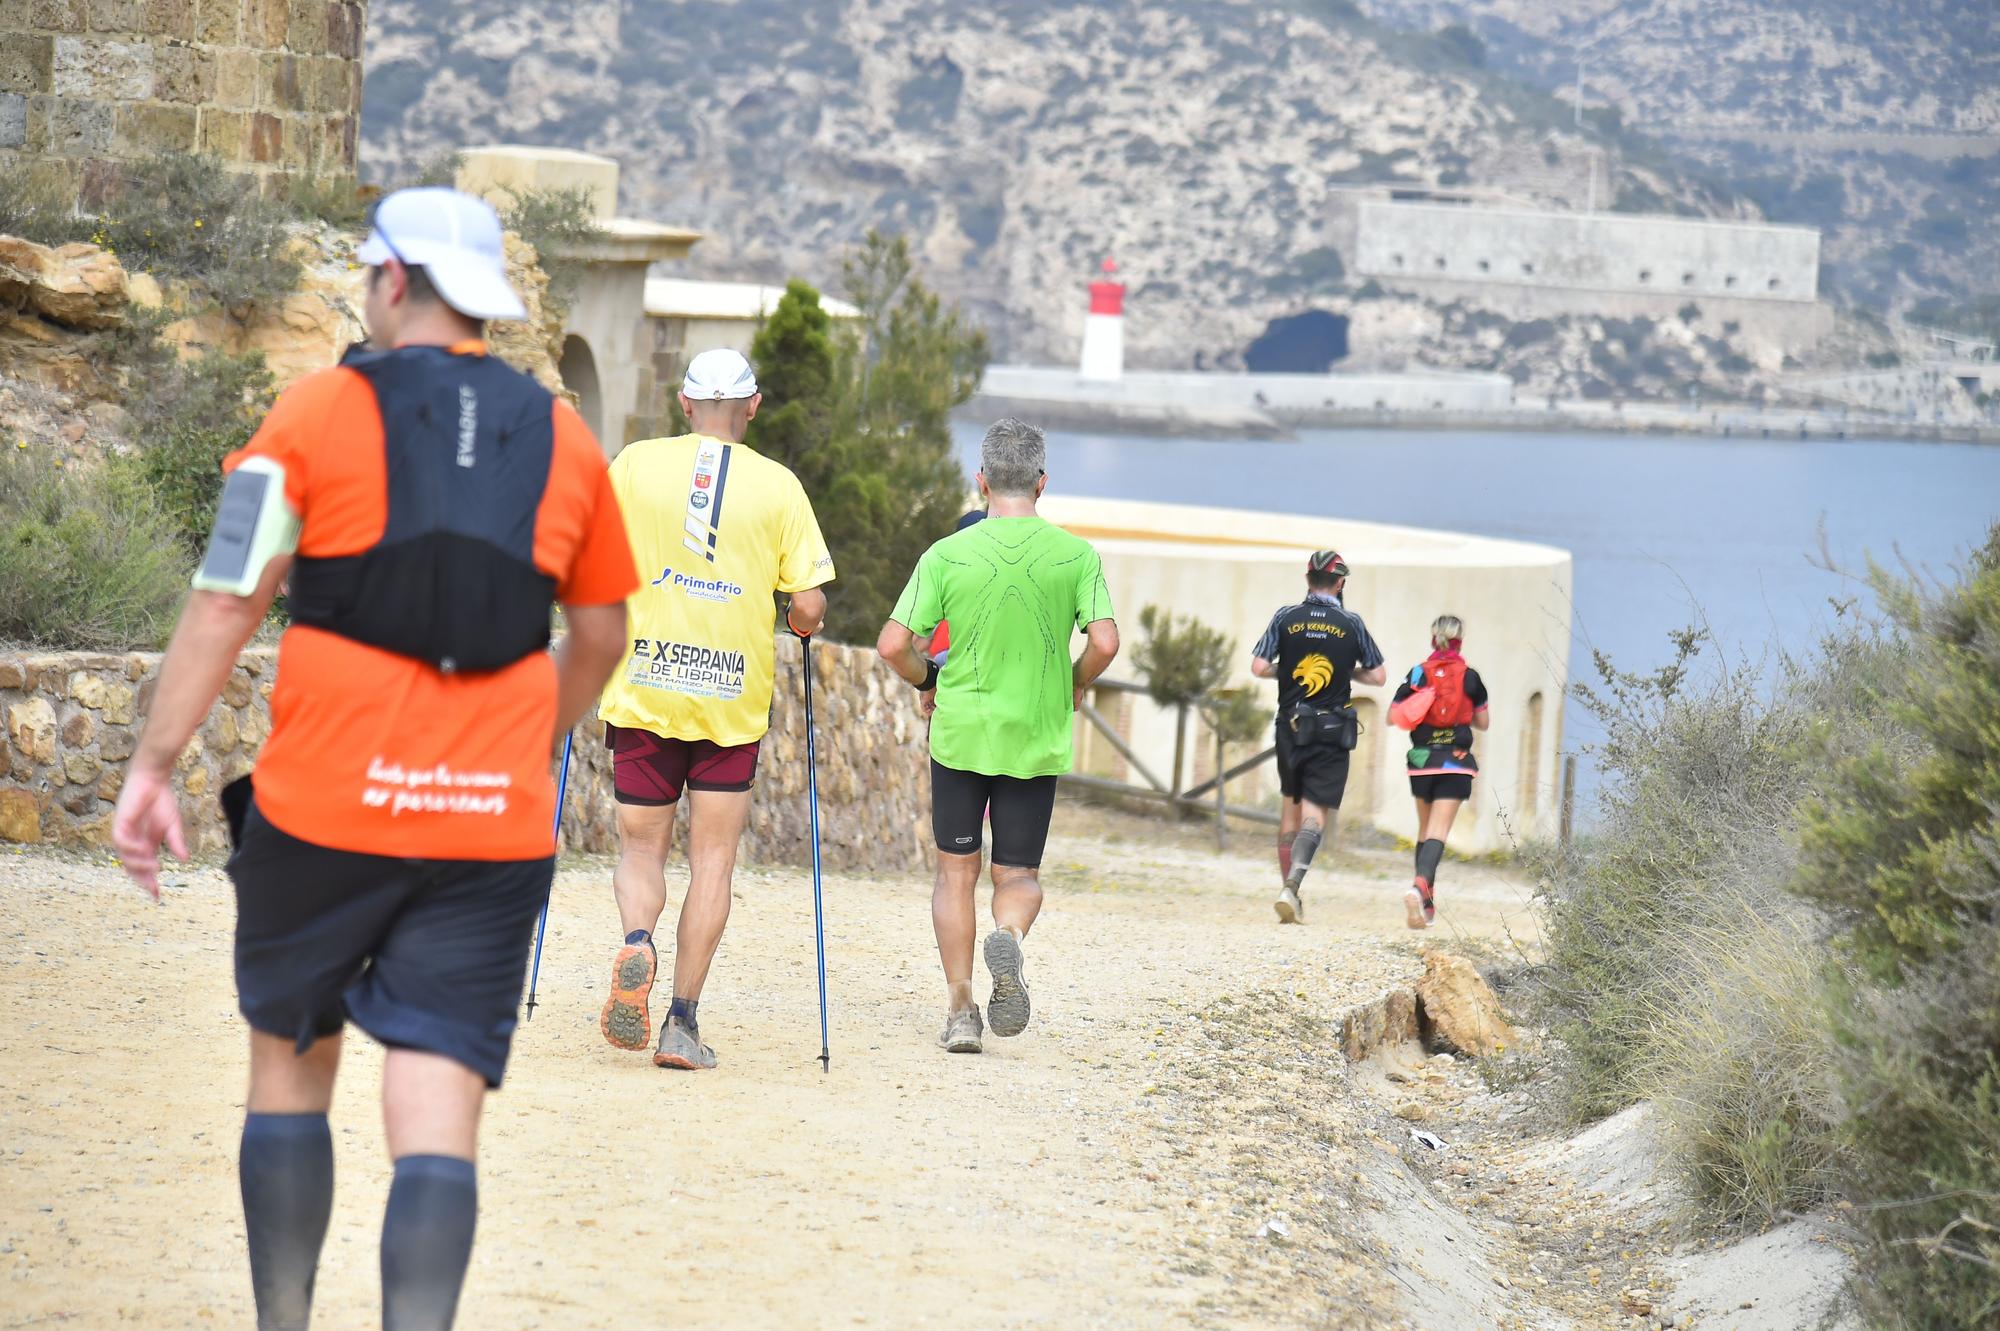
1903	844
189	217
1181	659
201	411
553	220
1702	776
87	562
341	202
864	421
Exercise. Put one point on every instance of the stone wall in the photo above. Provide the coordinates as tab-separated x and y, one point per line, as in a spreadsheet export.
270	86
72	721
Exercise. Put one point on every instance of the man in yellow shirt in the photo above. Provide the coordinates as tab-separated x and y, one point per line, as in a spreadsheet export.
716	530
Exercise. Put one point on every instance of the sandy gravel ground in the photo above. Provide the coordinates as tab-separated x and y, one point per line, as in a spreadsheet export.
1119	1165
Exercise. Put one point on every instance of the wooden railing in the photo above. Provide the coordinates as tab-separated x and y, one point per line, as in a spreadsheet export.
1210	794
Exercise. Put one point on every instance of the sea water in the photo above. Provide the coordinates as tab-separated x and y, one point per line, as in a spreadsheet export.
1666	531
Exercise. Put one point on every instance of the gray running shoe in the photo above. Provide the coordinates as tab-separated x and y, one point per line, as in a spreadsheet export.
680	1049
1007	1010
962	1032
1290	909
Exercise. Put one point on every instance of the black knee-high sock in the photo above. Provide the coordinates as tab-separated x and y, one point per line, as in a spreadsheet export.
285	1166
427	1241
1429	855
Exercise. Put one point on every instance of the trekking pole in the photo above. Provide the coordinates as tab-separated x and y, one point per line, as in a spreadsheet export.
541	929
812	804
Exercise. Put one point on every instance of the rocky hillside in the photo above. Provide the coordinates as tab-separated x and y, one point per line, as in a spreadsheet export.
1017	142
1875	120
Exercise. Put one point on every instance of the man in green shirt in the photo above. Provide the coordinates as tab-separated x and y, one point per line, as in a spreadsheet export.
1014	588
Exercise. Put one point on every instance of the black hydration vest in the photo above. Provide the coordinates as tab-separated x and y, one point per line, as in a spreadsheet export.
468	442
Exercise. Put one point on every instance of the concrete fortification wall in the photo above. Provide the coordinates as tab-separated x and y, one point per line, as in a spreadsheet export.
73	719
1234	569
272	87
1673	258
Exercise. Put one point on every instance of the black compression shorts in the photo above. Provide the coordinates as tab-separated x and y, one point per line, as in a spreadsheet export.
1432	786
1020	810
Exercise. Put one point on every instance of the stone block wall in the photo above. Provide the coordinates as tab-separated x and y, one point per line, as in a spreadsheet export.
72	722
272	87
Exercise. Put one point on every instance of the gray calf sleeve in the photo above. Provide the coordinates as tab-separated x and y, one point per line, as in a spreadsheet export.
1304	846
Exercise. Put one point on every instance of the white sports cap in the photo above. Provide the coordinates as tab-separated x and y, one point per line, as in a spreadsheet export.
719	375
455	239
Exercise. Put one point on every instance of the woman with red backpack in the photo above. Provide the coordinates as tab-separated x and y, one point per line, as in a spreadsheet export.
1441	703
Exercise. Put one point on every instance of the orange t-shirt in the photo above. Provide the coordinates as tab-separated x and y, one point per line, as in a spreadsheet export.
379	753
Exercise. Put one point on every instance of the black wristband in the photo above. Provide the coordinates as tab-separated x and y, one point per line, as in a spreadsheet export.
930	676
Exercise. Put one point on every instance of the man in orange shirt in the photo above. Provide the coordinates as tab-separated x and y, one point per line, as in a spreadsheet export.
429	506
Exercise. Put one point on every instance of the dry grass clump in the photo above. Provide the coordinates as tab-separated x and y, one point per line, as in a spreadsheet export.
1740	1072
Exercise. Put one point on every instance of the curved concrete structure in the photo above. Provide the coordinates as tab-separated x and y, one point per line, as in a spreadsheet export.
1233	568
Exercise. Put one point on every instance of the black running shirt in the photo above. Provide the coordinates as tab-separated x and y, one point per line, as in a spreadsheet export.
1317	645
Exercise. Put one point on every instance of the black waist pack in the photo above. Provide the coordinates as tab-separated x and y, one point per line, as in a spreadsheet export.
1337	726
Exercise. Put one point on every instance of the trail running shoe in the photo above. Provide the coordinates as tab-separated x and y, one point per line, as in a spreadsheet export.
1007	1010
680	1049
1419	908
962	1032
625	1021
1291	910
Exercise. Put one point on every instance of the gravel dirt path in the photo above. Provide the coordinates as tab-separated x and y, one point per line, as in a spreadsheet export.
1174	1141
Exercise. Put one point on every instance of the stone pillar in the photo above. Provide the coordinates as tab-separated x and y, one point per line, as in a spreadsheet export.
273	87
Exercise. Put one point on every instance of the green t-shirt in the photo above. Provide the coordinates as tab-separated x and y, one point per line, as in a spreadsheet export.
1014	590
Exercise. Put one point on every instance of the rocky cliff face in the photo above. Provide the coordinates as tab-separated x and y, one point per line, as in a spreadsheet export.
1200	141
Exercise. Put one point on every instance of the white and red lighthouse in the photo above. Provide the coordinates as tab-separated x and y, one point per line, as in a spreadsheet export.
1104	328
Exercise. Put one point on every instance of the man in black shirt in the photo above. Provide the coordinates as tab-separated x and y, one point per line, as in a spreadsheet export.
1317	650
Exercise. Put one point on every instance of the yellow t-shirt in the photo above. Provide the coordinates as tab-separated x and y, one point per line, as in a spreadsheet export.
716	528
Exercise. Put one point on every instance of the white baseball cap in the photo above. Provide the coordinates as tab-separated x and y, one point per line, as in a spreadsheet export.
455	239
719	375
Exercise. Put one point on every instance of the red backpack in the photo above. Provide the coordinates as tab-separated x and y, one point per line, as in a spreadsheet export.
1450	706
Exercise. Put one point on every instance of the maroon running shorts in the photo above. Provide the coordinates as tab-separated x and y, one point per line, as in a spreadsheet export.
647	769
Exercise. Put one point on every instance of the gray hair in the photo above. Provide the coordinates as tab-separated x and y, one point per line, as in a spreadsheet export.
1444	628
1014	456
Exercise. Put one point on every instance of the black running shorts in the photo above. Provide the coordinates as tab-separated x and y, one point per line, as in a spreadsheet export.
421	954
1432	786
1020	809
1314	772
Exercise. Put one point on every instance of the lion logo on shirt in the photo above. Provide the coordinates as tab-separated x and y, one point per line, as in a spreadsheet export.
1315	672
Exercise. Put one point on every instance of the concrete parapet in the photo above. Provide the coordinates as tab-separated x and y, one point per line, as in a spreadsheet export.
273	87
72	721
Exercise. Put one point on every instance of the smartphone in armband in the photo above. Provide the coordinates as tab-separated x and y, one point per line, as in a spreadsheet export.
253	526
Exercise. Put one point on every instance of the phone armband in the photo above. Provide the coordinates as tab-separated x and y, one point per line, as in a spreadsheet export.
253	526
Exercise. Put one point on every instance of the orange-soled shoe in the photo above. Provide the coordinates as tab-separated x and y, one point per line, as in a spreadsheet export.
625	1020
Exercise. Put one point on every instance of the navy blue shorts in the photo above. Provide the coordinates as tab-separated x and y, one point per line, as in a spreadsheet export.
421	954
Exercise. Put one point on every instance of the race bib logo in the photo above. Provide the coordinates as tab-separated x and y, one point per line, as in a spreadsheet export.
1315	672
684	667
